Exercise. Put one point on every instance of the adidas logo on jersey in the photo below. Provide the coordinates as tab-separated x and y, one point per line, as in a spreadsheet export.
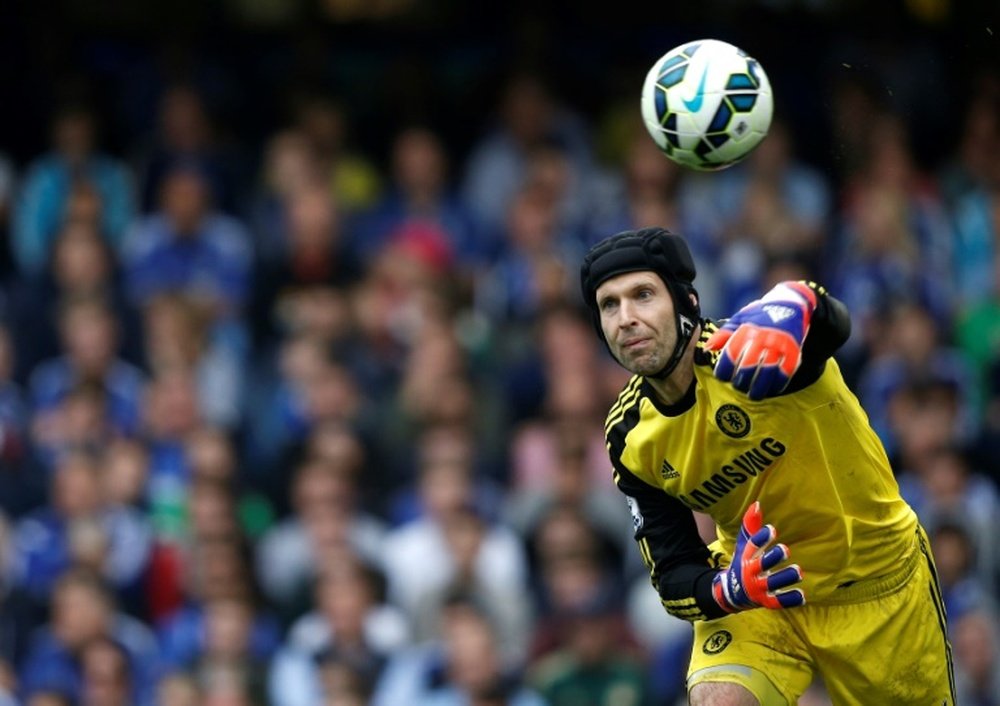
667	471
778	313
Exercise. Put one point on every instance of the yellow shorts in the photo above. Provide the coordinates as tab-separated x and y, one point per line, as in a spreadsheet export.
889	647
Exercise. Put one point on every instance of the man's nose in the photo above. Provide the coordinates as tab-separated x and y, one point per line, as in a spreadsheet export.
626	314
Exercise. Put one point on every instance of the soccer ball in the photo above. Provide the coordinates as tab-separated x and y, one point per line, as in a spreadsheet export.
707	104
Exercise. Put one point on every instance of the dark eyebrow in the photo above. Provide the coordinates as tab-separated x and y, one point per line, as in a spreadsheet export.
643	284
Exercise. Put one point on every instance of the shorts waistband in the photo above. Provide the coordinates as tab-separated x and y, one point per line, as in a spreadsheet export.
867	589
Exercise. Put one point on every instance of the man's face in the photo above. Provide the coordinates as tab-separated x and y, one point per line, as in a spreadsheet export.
78	615
637	317
185	200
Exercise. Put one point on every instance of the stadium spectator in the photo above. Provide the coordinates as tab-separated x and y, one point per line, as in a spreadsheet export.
82	266
301	284
211	455
185	134
89	334
529	116
964	588
188	246
420	192
595	662
912	353
74	165
351	624
572	566
283	403
530	273
977	657
461	665
971	165
945	487
78	527
464	533
288	166
228	653
549	385
170	414
326	526
107	674
894	242
418	559
328	126
571	486
216	573
644	183
440	388
977	233
84	610
178	335
125	464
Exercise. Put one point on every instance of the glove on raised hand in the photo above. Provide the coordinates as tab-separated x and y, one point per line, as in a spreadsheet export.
749	581
762	343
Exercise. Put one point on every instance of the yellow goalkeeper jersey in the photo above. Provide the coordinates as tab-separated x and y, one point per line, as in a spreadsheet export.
810	457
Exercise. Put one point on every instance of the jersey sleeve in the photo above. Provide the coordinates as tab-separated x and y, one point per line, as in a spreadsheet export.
680	566
829	330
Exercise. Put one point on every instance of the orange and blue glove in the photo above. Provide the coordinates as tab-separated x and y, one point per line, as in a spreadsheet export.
762	343
749	582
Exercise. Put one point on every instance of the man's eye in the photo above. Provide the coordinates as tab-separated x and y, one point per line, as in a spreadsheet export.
607	305
645	293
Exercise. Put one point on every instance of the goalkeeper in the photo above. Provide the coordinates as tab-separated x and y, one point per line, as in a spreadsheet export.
750	422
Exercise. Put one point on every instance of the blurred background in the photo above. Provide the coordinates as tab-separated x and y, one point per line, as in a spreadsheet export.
298	401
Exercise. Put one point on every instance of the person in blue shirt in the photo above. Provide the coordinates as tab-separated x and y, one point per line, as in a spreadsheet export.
73	165
83	611
189	246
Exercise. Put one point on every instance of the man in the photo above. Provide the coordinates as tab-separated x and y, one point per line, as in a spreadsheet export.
753	417
189	246
84	611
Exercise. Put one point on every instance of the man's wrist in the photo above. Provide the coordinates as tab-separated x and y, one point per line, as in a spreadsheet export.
720	593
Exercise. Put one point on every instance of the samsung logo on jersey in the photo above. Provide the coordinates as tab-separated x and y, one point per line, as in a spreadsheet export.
747	465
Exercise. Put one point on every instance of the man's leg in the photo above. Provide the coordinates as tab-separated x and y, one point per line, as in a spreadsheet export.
721	694
753	657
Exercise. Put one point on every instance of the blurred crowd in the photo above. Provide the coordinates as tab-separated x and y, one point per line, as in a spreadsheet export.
289	424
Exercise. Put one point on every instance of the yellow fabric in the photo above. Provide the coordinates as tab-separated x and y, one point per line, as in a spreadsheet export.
810	458
355	183
752	680
853	645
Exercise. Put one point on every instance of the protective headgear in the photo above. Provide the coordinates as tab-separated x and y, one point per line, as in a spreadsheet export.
659	251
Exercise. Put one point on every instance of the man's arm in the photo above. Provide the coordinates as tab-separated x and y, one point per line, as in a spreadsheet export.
681	567
829	330
686	574
780	343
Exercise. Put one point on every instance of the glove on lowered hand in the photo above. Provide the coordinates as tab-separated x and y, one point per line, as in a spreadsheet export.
749	582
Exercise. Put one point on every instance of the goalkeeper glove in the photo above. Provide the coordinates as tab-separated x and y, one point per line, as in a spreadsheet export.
762	343
749	581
